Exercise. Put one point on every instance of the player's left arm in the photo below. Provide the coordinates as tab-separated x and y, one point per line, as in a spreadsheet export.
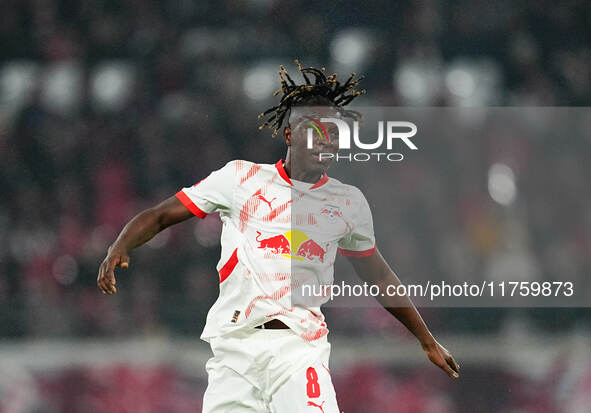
375	270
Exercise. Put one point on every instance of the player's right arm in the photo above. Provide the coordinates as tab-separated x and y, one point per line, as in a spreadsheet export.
212	194
142	228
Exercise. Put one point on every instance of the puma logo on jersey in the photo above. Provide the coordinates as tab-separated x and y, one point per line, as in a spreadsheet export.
317	405
261	197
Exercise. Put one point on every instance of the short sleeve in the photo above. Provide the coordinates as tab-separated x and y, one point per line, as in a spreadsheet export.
360	240
212	194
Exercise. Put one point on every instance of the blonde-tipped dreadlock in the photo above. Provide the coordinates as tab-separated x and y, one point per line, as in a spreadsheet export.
326	88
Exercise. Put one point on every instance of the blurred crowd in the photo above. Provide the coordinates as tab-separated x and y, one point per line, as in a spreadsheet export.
362	388
108	107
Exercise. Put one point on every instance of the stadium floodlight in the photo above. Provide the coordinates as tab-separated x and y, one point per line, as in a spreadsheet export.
501	184
461	82
112	85
352	47
18	79
259	81
62	84
472	82
417	83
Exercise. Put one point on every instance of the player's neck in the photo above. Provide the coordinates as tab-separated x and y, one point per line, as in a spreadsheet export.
300	175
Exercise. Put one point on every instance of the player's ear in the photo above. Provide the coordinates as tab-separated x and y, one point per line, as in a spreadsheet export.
287	135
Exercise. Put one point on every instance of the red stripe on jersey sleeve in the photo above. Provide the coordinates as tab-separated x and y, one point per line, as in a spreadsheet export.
229	266
351	253
190	205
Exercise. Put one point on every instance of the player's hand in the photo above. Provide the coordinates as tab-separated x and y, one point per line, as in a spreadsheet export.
106	275
442	358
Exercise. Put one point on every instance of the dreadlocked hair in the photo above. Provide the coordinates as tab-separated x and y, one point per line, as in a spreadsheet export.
322	89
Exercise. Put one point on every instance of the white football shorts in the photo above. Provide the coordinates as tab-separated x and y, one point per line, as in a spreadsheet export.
269	371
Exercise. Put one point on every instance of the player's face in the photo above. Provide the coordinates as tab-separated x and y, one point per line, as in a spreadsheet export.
313	144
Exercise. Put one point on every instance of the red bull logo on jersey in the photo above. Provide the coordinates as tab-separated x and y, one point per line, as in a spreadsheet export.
331	212
294	244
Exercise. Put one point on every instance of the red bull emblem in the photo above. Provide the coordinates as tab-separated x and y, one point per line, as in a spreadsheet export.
331	212
294	244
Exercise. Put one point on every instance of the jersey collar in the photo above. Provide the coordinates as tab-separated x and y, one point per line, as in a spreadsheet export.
281	170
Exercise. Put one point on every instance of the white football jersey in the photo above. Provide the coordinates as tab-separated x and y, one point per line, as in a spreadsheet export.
278	234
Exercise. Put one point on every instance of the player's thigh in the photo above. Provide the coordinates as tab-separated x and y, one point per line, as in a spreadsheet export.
309	390
229	392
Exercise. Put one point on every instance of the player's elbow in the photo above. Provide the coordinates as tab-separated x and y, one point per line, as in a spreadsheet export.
160	218
171	211
151	219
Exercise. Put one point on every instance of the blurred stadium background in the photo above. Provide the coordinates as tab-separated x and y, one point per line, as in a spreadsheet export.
107	107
